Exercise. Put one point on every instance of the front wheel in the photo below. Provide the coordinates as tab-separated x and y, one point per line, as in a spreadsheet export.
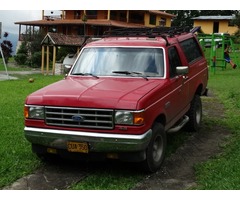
156	149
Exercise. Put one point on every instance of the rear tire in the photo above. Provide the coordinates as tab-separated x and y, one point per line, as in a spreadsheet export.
194	114
156	149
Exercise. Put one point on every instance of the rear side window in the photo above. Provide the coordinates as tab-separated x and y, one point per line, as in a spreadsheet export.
191	49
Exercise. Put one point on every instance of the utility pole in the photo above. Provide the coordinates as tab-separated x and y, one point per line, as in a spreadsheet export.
4	63
84	19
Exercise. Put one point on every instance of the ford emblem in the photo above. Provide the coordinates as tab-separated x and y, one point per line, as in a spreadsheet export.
77	118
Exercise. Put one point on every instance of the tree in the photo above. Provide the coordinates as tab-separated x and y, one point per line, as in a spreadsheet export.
183	17
29	52
236	22
22	54
6	47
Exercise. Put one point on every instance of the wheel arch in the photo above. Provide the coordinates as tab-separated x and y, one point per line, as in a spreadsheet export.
161	119
199	90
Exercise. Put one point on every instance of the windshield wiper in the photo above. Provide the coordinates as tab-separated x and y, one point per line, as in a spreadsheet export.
86	74
121	72
130	73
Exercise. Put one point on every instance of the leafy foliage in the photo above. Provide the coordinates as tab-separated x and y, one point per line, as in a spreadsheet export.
29	52
63	51
22	54
6	47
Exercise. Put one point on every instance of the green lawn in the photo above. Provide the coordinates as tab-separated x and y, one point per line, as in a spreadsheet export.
16	159
223	171
11	67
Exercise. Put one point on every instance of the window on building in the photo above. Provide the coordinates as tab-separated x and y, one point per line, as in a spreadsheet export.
230	23
162	21
123	15
120	15
136	17
215	27
113	15
152	19
77	14
52	29
91	14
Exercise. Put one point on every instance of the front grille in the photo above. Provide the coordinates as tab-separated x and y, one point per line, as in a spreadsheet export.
79	117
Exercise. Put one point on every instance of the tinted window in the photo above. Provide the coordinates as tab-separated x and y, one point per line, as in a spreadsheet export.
174	60
191	49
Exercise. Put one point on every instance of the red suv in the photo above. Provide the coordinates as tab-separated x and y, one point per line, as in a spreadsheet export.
122	95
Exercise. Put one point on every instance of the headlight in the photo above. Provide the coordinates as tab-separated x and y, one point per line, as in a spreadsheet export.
129	117
34	112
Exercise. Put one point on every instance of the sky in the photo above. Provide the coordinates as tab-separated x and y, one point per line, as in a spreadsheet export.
8	17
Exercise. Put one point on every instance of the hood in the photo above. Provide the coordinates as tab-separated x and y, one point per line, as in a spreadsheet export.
94	92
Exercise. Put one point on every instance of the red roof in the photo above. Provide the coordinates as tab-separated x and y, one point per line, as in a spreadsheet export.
60	39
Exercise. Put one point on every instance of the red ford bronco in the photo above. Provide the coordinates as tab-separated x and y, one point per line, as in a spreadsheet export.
121	97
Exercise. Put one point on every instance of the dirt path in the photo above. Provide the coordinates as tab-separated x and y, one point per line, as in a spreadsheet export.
177	171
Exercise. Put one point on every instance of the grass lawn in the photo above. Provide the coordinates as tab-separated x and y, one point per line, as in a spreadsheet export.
16	159
223	171
10	66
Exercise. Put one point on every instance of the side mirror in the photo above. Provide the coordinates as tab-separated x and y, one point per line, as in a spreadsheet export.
66	68
182	70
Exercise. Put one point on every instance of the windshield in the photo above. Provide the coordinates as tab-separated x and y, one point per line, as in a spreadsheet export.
120	61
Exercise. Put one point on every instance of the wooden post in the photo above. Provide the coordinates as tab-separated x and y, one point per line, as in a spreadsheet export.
78	50
47	59
108	15
54	60
42	65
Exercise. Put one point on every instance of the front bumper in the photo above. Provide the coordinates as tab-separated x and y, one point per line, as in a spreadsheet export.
98	142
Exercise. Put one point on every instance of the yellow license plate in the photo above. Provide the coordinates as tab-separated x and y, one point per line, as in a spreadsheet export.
81	147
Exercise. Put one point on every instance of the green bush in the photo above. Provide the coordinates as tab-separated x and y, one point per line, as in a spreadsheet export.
20	58
36	59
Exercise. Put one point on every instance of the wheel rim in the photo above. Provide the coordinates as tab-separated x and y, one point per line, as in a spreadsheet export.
157	149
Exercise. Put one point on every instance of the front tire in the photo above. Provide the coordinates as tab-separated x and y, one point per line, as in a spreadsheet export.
42	154
156	149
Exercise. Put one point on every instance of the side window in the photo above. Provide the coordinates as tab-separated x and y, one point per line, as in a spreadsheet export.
191	49
174	60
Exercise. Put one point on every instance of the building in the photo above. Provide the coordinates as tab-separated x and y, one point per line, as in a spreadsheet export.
60	29
95	22
215	24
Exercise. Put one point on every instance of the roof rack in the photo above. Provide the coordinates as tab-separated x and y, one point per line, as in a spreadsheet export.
147	32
